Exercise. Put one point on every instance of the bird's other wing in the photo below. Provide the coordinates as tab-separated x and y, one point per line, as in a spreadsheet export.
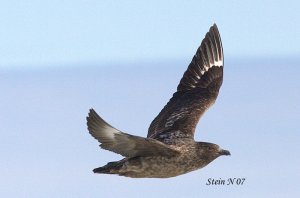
122	143
196	92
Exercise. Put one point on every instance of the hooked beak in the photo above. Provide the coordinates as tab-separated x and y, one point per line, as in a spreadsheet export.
224	152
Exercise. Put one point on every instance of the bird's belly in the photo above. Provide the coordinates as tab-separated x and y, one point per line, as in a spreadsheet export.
158	167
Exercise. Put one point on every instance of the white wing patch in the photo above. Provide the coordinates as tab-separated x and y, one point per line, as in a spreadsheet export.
100	129
108	132
218	63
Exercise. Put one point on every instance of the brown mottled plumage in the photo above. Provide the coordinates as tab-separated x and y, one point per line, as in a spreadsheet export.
170	149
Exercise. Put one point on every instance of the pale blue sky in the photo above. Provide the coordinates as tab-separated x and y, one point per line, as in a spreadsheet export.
58	33
125	59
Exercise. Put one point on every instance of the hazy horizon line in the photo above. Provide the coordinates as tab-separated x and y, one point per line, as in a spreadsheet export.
142	62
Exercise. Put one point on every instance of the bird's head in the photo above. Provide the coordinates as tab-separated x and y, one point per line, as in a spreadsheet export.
210	151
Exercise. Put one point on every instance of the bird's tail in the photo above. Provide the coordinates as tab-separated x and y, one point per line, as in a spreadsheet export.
110	168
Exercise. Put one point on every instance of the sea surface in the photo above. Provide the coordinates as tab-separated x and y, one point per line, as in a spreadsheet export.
46	150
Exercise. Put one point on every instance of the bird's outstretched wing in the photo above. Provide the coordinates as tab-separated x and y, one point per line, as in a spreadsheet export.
196	92
122	143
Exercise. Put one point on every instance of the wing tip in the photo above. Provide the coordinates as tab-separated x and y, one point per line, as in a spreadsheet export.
99	128
208	55
91	122
215	34
93	117
91	112
214	26
211	49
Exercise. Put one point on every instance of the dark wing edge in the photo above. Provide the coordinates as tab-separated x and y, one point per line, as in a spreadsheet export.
121	143
196	92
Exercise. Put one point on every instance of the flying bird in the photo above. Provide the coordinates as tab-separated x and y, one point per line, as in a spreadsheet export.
170	149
